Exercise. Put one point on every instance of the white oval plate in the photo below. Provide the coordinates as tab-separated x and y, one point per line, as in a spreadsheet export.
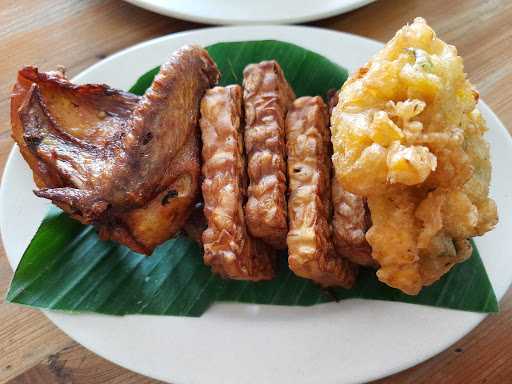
351	341
250	12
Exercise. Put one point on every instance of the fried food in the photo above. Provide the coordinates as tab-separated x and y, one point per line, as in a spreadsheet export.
350	218
350	222
128	165
164	215
267	96
310	250
332	99
407	136
228	248
196	223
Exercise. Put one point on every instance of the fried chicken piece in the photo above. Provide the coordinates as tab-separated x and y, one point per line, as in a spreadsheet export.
310	250
128	165
196	223
267	96
351	217
228	248
164	215
407	136
46	109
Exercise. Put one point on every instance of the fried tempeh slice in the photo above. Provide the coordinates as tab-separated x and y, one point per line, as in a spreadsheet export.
267	96
311	253
228	248
350	221
351	217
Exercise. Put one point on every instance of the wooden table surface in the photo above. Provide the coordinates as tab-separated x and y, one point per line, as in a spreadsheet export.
78	33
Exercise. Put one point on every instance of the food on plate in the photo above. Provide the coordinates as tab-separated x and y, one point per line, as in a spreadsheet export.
311	253
409	188
228	248
128	165
350	217
196	223
408	137
267	96
350	222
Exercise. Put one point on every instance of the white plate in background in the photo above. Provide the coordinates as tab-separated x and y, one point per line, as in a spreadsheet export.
250	12
346	342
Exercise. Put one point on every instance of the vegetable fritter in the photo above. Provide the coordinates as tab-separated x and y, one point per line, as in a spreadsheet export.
408	137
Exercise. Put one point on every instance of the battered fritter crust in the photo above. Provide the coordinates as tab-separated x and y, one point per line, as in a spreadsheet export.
408	137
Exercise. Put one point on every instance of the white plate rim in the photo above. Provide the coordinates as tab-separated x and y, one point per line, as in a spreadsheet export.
62	320
177	10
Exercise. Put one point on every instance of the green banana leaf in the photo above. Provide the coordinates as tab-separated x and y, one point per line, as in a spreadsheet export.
67	267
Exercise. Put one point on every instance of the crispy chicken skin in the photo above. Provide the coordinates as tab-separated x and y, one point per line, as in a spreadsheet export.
267	96
48	111
310	250
127	164
228	248
164	215
350	217
408	137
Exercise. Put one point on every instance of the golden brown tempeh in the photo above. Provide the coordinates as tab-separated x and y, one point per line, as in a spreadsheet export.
267	96
310	250
228	248
350	222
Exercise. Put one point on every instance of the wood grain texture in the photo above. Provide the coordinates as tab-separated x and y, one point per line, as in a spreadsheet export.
78	33
74	364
